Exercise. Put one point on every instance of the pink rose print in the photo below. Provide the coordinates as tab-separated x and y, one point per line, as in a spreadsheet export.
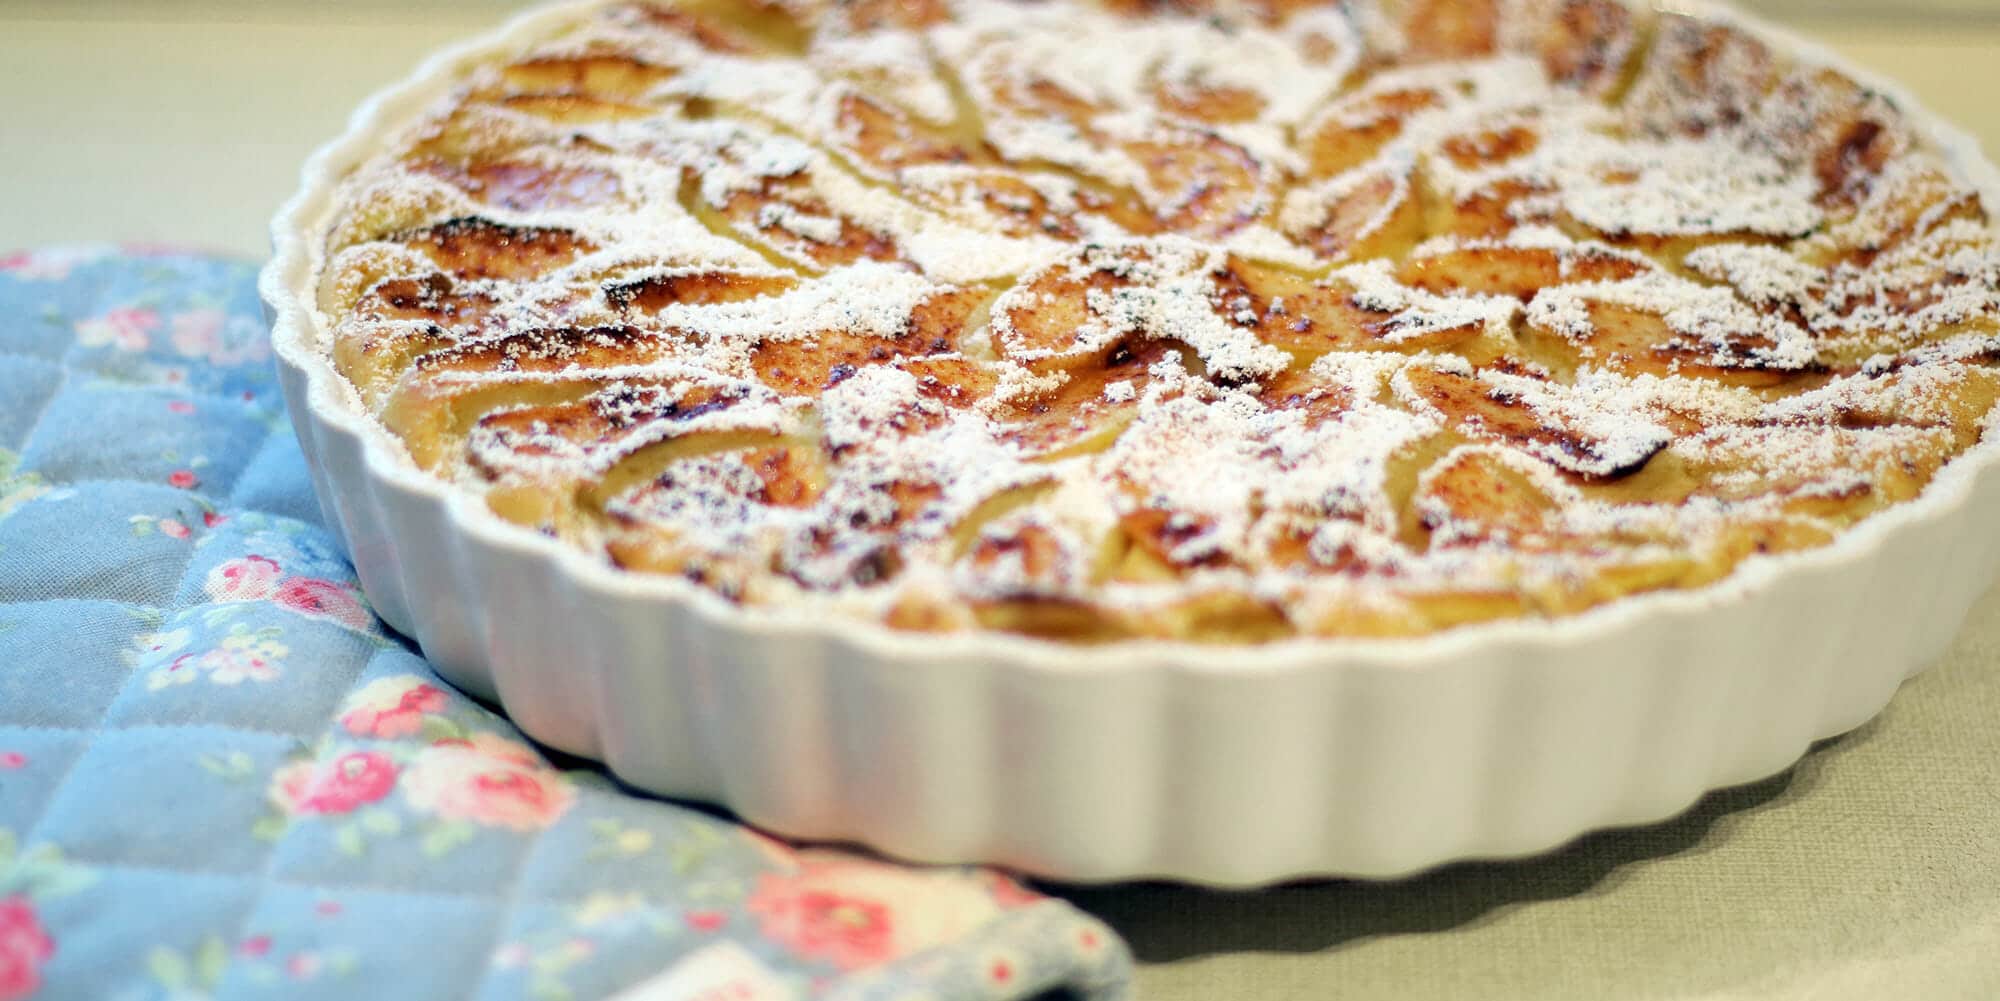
312	596
392	707
197	333
488	780
180	407
850	932
24	947
254	946
345	784
174	528
1088	941
49	265
1001	971
855	913
13	761
247	578
183	479
126	328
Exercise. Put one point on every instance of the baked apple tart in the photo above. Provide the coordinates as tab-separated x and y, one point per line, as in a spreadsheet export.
1226	440
1210	322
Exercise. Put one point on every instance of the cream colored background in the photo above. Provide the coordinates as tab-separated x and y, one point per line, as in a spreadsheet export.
1870	871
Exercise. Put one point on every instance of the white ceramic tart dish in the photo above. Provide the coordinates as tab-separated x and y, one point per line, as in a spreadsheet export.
1228	445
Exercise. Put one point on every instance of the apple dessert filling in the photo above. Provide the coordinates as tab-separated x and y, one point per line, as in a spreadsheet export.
1221	322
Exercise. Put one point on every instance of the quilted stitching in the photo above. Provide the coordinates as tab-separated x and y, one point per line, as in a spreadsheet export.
221	777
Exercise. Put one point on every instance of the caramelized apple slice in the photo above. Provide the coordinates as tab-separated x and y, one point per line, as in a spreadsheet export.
805	366
1586	44
1309	318
864	16
1368	212
373	356
1435	30
603	72
457	306
472	247
522	185
1518	271
1701	77
788	215
1662	326
1199	184
1492	211
1846	133
1300	390
573	109
1480	497
1556	423
885	136
1355	129
1491	145
1004	201
1210	103
1912	199
717	518
1087	406
1830	473
589	435
1079	308
694	287
444	392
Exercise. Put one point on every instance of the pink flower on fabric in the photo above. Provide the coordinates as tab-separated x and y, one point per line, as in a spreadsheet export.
345	784
234	663
51	264
197	333
489	780
246	578
849	931
392	707
854	913
13	760
127	328
184	479
313	596
173	528
24	947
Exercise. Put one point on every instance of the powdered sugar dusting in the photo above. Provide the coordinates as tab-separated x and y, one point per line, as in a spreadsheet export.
1211	323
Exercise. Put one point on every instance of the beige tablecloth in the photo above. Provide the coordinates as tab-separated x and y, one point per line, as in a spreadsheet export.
1870	871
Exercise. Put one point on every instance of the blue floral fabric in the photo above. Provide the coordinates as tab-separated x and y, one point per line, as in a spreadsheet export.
220	777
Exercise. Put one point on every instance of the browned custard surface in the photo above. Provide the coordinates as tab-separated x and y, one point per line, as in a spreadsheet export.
1221	323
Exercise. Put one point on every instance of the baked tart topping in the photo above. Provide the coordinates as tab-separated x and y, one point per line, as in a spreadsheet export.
1222	323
